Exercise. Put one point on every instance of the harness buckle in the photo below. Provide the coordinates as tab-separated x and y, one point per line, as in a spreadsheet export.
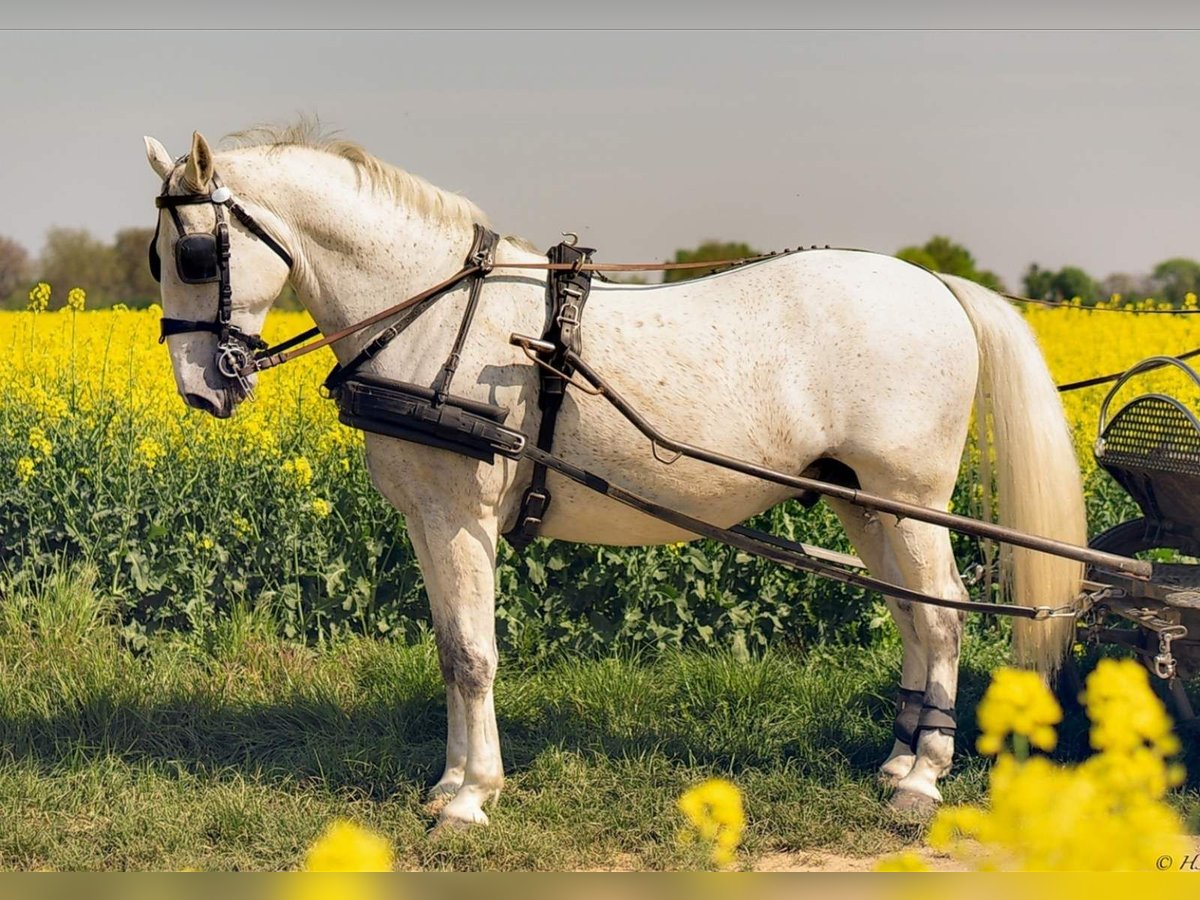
533	506
570	314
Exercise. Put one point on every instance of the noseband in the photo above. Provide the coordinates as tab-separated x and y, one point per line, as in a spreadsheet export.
203	258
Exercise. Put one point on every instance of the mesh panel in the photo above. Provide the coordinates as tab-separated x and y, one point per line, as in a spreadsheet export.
1153	433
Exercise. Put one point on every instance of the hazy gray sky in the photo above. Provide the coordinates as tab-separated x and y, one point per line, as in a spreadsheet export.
1050	146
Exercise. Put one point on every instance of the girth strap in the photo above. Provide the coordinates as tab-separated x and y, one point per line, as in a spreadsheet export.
567	290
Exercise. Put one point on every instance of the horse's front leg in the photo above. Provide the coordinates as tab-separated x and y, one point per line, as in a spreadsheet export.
458	560
456	723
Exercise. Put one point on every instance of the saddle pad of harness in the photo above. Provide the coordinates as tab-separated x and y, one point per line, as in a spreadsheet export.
409	412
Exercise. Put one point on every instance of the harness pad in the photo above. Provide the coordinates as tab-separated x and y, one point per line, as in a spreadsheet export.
411	412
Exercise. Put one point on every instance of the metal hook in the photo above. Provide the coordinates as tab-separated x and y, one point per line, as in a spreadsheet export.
569	379
574	238
665	462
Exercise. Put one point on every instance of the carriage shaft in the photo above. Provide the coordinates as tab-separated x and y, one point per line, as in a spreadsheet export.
792	554
1135	568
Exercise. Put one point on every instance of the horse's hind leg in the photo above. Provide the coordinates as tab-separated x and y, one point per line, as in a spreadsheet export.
869	539
922	553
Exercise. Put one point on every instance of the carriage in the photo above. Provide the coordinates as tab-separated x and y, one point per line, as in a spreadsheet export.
1151	447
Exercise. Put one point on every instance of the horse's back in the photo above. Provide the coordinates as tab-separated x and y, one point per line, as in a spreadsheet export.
822	353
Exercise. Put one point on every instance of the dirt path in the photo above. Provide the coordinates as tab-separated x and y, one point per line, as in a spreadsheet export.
824	861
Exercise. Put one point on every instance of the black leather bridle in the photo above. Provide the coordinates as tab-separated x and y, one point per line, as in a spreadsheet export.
203	258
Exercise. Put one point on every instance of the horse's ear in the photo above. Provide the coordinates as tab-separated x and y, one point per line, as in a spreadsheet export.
199	169
160	159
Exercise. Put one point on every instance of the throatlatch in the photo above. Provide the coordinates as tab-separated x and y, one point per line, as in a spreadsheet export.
567	291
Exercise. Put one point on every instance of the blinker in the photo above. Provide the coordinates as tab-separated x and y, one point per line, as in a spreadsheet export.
196	259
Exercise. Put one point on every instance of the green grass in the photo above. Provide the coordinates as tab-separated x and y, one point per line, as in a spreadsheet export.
232	750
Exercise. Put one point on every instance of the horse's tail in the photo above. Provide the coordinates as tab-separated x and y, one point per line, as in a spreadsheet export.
1037	475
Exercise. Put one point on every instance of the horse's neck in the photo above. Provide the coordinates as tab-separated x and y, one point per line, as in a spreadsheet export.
359	251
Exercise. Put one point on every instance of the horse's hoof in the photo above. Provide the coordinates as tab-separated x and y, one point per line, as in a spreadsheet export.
457	824
887	780
913	805
436	801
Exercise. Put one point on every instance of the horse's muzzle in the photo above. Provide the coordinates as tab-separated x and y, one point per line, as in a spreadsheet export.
221	410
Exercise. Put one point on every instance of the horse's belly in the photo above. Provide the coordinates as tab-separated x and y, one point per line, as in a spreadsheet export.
712	495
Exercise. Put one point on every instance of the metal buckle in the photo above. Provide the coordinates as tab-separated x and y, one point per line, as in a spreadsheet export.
535	505
517	448
570	313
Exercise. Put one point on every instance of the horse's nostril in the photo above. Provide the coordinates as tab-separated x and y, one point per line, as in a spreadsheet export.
196	401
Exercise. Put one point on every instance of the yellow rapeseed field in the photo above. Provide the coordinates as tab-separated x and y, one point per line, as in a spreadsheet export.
67	365
184	514
1078	344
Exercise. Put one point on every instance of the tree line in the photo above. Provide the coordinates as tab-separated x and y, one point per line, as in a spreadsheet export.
1171	280
110	272
116	271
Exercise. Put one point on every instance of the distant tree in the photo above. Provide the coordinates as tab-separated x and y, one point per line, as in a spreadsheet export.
1038	283
1067	283
1129	287
73	258
1175	278
920	257
134	285
14	267
941	254
1070	282
709	250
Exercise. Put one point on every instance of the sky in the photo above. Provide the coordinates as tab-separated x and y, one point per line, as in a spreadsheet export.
1021	133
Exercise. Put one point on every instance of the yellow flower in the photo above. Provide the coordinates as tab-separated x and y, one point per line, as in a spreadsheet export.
147	453
25	469
39	297
1104	814
320	508
76	298
715	814
299	470
1017	702
40	443
1125	713
346	847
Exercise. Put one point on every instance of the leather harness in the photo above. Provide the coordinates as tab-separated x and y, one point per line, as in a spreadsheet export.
429	415
567	292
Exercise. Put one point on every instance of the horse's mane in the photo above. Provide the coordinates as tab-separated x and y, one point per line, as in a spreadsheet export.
414	191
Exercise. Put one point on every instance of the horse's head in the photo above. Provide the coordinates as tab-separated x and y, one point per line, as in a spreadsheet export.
220	262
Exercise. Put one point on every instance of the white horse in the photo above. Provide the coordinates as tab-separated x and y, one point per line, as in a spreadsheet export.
792	362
